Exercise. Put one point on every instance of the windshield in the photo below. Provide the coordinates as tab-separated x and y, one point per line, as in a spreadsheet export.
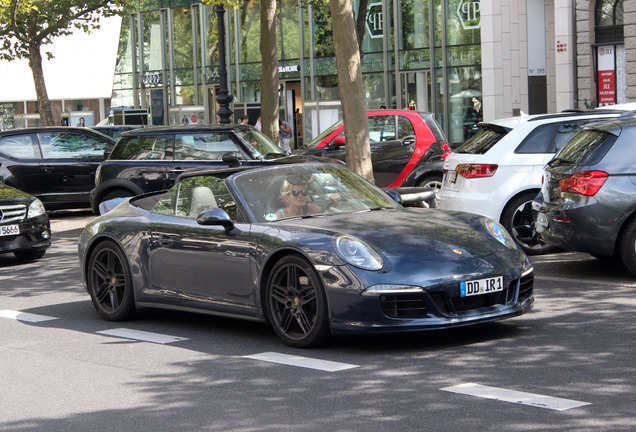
307	190
259	144
482	141
313	143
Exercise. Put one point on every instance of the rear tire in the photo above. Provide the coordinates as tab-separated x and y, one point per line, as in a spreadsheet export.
432	181
627	247
518	219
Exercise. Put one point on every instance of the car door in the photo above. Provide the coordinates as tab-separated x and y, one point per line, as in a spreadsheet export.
68	164
19	163
194	150
389	154
202	262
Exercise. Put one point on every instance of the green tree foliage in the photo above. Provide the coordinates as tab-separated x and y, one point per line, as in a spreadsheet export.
28	25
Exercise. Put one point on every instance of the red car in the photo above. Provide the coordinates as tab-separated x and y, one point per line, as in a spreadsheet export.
407	147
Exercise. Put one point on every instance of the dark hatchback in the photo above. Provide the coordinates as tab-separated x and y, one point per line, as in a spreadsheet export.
150	159
56	164
407	147
588	199
24	224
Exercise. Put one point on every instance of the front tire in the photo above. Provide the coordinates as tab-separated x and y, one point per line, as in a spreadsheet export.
518	219
296	303
627	247
109	282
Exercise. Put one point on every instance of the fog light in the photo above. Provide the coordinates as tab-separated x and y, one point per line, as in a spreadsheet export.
46	234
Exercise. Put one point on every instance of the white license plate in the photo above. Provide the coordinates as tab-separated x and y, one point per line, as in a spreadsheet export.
451	176
9	230
481	286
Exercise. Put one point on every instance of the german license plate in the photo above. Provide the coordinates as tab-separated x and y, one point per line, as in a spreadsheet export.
451	176
481	286
8	230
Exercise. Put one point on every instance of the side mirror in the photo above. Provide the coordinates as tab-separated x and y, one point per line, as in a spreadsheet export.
215	216
231	159
395	196
338	141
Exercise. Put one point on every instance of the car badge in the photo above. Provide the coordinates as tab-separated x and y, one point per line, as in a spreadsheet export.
457	251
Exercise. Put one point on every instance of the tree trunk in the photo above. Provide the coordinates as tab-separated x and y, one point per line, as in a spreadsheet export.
356	125
269	58
44	104
361	22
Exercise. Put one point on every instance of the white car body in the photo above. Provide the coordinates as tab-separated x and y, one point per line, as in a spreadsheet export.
518	172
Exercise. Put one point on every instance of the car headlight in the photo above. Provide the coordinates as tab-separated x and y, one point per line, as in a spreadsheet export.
35	209
499	232
357	253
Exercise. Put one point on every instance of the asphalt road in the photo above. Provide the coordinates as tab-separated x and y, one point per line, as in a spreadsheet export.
65	369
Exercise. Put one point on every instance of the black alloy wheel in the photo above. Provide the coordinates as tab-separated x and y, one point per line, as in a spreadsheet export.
110	283
296	303
518	219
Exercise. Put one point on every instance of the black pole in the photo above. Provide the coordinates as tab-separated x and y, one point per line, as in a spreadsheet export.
224	98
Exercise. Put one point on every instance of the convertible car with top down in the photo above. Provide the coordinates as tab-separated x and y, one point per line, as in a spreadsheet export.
310	248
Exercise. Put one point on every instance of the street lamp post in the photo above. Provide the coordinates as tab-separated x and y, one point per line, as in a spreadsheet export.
224	98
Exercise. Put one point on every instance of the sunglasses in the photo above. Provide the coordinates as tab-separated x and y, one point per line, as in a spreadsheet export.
297	193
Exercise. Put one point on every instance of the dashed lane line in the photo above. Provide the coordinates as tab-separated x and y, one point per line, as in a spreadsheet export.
514	396
142	336
304	362
24	316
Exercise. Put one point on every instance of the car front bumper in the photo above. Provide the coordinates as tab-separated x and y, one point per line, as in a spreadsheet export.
34	234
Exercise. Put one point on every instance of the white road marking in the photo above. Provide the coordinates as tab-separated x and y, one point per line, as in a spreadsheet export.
305	362
24	316
142	335
513	396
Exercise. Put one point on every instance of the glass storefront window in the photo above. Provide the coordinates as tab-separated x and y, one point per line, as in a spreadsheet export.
323	36
465	103
152	41
373	84
413	24
288	30
182	34
249	31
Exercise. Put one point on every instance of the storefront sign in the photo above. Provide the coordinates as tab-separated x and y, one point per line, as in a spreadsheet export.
469	14
292	68
375	20
151	79
606	75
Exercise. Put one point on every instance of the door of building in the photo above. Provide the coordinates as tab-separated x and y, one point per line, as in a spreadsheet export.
290	110
415	90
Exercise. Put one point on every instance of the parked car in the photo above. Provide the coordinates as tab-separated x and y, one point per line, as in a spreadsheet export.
114	131
150	159
407	147
588	199
24	224
497	173
56	164
353	261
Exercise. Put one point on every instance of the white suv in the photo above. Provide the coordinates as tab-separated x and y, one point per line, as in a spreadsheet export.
497	172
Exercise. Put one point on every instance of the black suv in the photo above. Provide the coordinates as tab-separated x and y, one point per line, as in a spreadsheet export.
150	159
588	199
56	164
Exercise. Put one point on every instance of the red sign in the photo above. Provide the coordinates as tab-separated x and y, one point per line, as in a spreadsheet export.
606	87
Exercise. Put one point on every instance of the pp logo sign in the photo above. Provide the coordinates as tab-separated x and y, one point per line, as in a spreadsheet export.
375	20
469	14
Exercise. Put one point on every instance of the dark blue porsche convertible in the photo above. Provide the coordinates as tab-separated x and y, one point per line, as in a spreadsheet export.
311	248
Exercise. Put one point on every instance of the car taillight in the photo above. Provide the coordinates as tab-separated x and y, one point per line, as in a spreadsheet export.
584	183
476	170
446	149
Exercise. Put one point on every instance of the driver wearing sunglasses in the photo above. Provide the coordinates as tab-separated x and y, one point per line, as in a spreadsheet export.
296	196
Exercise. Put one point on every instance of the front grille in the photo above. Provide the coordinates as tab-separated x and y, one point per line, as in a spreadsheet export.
403	305
12	213
526	284
462	304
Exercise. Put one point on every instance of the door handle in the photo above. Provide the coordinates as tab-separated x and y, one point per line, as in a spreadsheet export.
47	168
177	170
